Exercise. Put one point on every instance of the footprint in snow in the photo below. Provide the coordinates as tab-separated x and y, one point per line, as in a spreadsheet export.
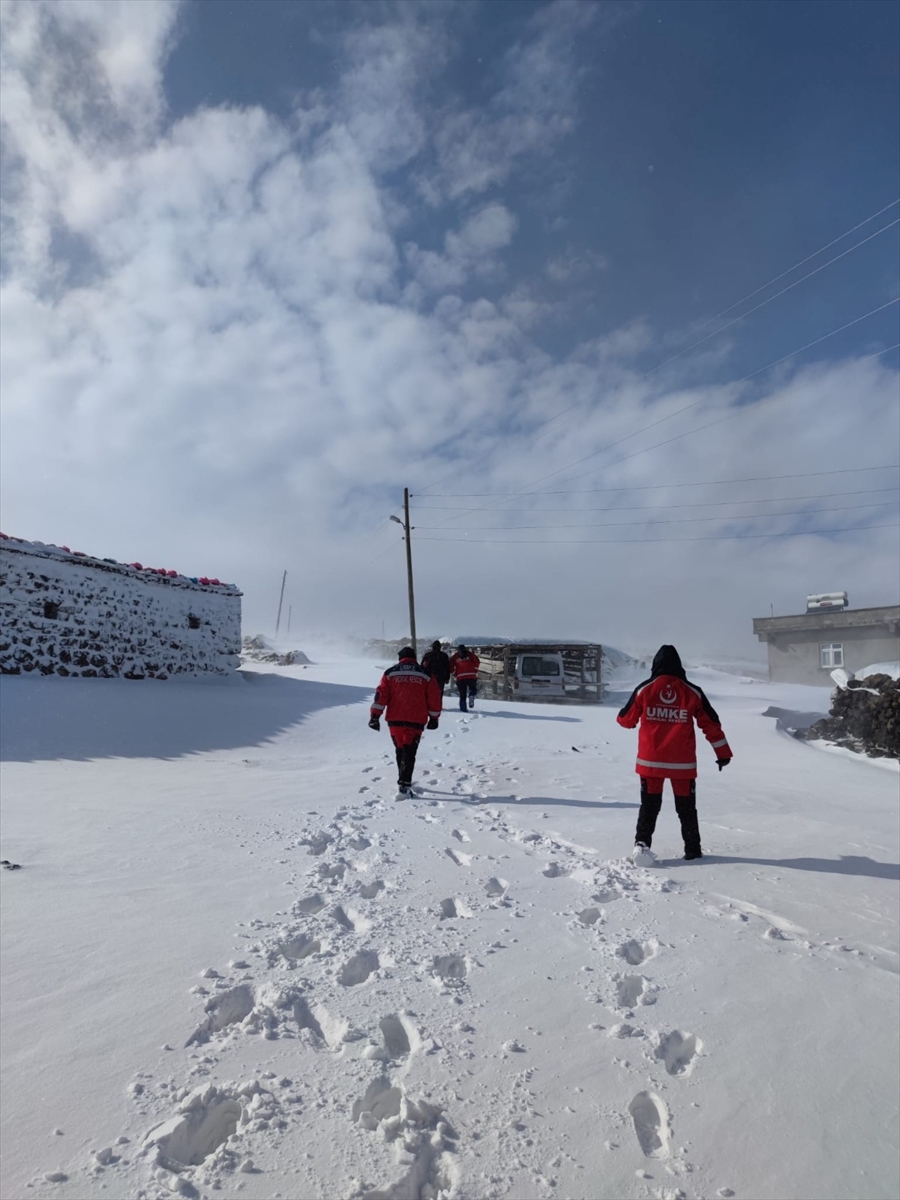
635	952
358	968
496	886
630	990
395	1032
295	947
369	891
332	872
460	835
451	968
227	1008
461	859
589	916
677	1051
650	1118
206	1121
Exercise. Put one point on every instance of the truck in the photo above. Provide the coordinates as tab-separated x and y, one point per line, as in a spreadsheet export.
551	673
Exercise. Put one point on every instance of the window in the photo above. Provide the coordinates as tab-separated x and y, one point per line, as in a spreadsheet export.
831	654
533	665
51	609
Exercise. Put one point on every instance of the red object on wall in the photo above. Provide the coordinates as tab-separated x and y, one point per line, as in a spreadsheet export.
137	566
172	574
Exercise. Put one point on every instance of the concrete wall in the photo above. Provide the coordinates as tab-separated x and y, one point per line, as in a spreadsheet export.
62	614
794	656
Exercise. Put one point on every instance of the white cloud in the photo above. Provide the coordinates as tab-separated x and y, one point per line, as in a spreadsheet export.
469	252
216	355
532	108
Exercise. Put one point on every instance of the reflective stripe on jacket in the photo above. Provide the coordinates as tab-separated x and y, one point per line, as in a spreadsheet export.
465	668
666	708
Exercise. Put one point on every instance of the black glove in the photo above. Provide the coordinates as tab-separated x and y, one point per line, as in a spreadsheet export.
375	724
432	723
722	762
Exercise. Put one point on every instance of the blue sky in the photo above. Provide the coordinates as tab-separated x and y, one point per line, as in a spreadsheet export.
712	145
266	263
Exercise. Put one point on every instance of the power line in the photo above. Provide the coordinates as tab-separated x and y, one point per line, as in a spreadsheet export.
693	404
800	512
654	487
694	504
725	537
769	299
743	300
802	261
698	429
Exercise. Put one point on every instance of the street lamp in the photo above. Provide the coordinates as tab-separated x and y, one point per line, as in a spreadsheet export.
409	570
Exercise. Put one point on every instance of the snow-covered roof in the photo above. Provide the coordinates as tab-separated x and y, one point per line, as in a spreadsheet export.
44	550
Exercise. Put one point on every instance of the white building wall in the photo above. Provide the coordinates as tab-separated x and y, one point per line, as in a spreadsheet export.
64	614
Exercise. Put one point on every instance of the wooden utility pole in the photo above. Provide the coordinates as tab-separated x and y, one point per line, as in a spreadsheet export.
280	602
290	610
409	571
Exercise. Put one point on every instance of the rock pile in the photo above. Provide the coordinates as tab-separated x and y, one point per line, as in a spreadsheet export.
257	649
865	716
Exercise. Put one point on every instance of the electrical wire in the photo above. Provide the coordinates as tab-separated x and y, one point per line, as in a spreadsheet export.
800	512
677	437
776	362
725	537
769	299
572	407
694	504
653	487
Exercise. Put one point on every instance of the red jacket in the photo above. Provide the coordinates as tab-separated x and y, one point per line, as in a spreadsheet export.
667	707
465	668
409	694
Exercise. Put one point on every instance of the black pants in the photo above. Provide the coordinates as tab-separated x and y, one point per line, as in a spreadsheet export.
467	689
406	761
685	806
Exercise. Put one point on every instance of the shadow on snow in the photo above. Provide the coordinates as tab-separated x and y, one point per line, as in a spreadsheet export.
511	716
845	864
82	719
543	801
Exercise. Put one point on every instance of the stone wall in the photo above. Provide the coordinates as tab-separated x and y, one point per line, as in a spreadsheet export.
69	614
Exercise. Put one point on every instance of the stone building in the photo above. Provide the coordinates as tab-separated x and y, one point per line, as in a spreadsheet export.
65	613
805	648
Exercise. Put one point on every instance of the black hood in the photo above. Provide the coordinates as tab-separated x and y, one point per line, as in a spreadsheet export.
667	662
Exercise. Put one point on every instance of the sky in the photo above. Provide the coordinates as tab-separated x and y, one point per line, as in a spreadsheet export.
610	287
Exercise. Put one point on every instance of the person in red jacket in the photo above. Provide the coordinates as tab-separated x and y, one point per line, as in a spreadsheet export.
666	705
412	700
464	667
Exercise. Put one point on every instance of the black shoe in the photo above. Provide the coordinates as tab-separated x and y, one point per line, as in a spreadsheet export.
691	854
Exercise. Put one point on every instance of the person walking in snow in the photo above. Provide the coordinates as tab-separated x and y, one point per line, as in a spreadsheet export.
666	705
437	664
464	665
411	699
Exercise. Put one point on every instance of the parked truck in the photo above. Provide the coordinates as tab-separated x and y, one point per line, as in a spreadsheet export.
554	673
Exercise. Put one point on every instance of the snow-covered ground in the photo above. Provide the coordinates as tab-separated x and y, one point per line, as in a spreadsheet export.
234	965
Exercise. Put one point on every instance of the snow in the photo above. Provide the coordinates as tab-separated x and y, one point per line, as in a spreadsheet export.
883	668
234	965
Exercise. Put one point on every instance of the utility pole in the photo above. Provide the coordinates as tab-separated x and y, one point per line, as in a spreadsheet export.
280	602
409	573
290	610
